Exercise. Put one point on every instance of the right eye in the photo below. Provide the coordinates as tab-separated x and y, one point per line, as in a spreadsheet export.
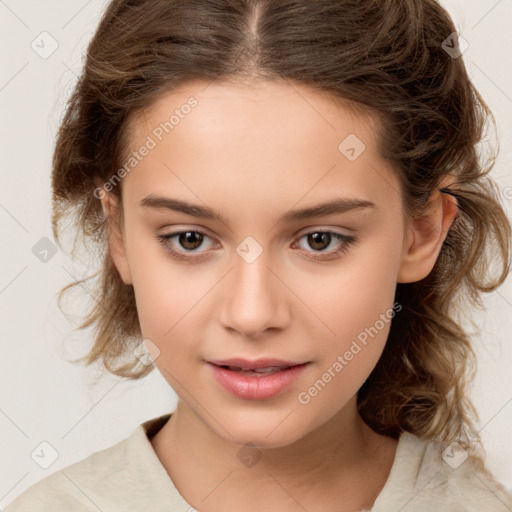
188	240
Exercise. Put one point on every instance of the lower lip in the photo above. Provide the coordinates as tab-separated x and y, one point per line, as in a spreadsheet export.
252	387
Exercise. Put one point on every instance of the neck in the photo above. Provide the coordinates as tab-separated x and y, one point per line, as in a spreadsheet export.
343	459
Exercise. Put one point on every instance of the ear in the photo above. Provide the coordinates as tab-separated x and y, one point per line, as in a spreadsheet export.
425	236
116	238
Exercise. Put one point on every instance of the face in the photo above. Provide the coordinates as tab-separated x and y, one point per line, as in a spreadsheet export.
252	268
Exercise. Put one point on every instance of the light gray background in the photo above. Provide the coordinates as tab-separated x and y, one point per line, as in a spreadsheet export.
44	398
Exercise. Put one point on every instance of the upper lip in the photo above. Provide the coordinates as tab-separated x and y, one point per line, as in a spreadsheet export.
246	364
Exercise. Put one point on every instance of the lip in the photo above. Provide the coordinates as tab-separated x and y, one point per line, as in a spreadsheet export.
246	364
254	387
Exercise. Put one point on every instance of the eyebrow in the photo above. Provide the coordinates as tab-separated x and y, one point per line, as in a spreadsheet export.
338	205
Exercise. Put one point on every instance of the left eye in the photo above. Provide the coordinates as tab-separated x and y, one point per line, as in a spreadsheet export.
319	241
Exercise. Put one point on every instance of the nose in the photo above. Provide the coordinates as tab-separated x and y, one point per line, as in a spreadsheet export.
254	300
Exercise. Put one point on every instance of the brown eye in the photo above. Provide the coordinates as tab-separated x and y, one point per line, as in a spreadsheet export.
190	240
319	240
186	244
325	244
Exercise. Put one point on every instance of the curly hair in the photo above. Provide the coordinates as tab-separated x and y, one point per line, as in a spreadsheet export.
385	58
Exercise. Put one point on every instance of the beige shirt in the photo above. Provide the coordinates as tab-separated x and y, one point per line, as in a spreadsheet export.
129	477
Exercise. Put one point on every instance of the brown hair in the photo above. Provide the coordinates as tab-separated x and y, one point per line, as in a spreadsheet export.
385	57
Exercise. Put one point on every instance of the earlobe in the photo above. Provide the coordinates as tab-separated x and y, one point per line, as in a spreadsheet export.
116	239
425	237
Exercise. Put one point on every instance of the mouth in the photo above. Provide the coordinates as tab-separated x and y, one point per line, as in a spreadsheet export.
256	380
259	372
258	365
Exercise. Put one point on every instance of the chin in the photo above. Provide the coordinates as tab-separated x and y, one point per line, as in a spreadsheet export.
277	430
260	440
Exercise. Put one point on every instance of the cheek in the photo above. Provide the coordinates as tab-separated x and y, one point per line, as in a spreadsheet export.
347	300
167	304
356	310
167	294
353	311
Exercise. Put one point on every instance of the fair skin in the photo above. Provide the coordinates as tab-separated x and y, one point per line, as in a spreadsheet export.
252	153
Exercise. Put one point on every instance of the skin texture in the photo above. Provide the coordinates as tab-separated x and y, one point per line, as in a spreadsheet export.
253	152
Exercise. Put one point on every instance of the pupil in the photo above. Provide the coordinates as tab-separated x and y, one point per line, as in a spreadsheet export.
317	240
192	237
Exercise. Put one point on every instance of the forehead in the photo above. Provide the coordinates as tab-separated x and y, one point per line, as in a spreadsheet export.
256	107
267	138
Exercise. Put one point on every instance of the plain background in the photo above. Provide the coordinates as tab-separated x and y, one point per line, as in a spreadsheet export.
45	398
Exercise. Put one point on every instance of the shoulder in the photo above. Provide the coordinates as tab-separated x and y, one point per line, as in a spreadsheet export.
76	486
427	476
119	478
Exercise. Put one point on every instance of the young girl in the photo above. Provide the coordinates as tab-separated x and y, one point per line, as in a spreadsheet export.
293	216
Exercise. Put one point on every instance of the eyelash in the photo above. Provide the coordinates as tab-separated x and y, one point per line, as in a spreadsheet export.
346	242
